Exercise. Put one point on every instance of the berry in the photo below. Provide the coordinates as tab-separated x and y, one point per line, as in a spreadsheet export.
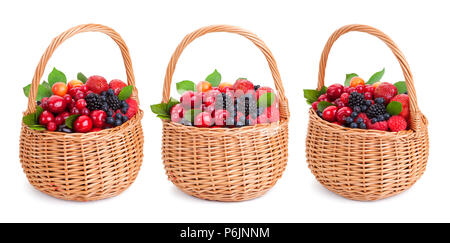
82	124
118	116
80	104
369	88
354	114
354	125
380	118
339	103
386	91
203	119
364	108
51	126
387	116
221	117
349	120
59	88
404	100
319	113
273	114
124	109
94	102
97	84
334	91
346	89
176	113
369	102
343	113
56	104
80	95
85	111
67	98
132	108
359	120
376	110
374	120
368	95
204	86
44	103
344	98
112	100
109	113
124	119
109	120
84	88
46	117
262	90
357	109
356	99
329	113
61	118
117	85
74	111
364	118
380	125
110	92
359	89
95	129
314	105
355	81
323	97
379	100
397	123
362	125
74	84
98	118
224	87
243	84
118	122
190	100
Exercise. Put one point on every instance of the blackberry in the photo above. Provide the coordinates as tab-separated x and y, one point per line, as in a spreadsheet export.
93	102
356	99
247	105
225	102
113	102
376	110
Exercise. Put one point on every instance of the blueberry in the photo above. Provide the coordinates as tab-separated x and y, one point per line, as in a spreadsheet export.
362	126
363	107
357	109
124	110
67	130
110	120
359	120
109	113
123	103
105	108
387	116
368	102
103	93
119	116
380	118
110	92
374	120
319	113
353	125
117	122
354	114
349	120
124	119
379	100
103	98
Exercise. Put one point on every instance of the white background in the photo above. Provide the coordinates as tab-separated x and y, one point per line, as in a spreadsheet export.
296	32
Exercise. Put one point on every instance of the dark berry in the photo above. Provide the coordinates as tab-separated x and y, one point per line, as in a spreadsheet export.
359	120
103	93
356	99
354	114
186	122
387	116
379	100
110	120
113	101
66	129
124	119
349	120
368	103
257	87
357	109
376	110
123	103
362	125
118	116
117	122
380	118
364	108
124	110
374	120
110	92
109	113
319	113
38	102
353	125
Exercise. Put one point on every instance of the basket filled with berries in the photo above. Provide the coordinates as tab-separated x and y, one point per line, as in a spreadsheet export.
224	141
82	139
367	140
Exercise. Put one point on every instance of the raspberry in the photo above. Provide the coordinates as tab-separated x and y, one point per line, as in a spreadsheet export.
132	109
381	125
244	85
397	123
117	85
404	99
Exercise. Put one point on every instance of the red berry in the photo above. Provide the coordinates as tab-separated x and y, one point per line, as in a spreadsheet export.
404	100
80	104
386	91
335	91
117	85
262	119
273	114
89	92
74	111
364	117
314	105
97	84
132	107
95	129
51	126
329	113
176	113
369	88
61	118
44	103
84	88
46	117
346	89
343	113
323	97
220	117
80	95
344	98
210	109
368	96
67	98
359	88
397	123
382	125
351	90
188	101
339	103
85	111
98	118
56	104
82	124
243	84
203	119
73	92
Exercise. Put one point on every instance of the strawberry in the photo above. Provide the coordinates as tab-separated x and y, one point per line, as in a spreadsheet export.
133	108
117	85
397	123
263	90
243	84
364	117
382	125
404	100
386	91
97	84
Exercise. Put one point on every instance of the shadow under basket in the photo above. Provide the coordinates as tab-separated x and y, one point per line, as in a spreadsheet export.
364	164
226	164
82	166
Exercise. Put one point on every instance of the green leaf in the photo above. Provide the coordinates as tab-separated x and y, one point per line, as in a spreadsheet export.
125	93
81	77
47	85
348	78
311	95
30	119
163	117
160	109
70	120
37	127
38	113
394	108
43	91
266	99
190	114
323	104
56	76
171	103
323	90
376	77
184	86
214	78
401	87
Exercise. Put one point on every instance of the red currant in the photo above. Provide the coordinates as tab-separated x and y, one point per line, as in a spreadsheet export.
346	89
44	103
369	88
329	113
176	113
80	104
203	119
344	98
74	111
84	88
368	95
359	89
351	90
83	124
335	91
46	117
68	98
220	117
339	103
80	95
51	126
85	111
314	105
323	97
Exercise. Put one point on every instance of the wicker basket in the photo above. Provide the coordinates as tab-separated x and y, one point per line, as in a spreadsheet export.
82	166
225	164
367	164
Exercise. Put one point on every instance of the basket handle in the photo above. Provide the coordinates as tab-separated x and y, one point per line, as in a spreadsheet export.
68	34
414	108
284	109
